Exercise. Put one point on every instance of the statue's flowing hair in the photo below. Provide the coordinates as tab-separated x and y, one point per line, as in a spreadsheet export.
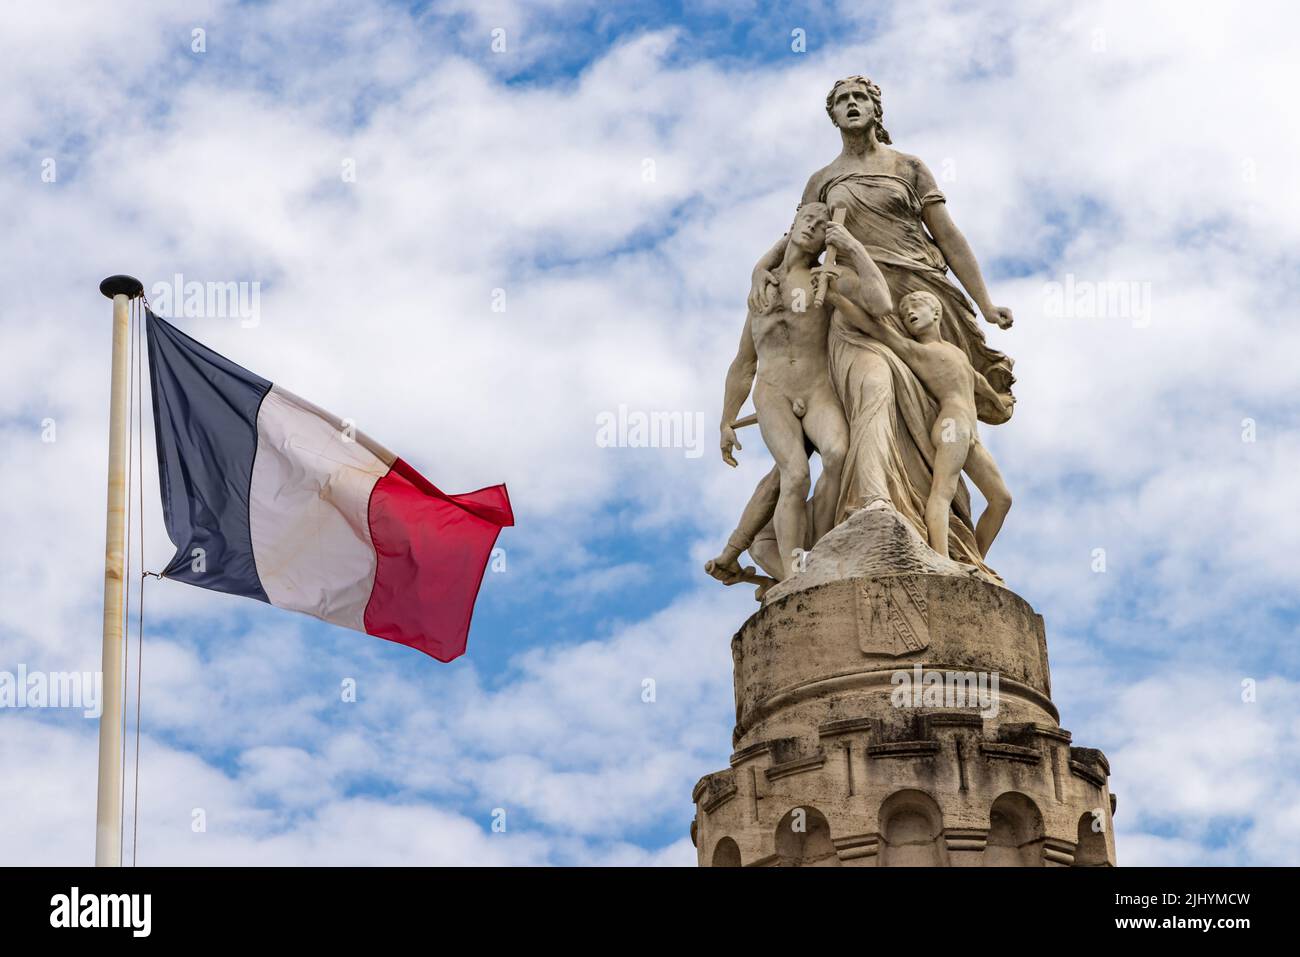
873	91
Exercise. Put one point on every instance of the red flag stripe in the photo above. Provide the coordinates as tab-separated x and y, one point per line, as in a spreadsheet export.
432	550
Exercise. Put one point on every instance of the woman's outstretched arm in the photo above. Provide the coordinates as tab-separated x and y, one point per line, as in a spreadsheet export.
957	250
762	282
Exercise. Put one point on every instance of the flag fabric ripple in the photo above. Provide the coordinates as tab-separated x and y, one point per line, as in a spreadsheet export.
270	497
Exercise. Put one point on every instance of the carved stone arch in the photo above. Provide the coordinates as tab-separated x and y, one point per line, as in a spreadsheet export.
911	831
726	853
1091	849
1016	832
803	839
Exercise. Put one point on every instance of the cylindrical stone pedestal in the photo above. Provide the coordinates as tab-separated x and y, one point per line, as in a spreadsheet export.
896	720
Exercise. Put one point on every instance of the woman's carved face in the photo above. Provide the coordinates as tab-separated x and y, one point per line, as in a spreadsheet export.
852	108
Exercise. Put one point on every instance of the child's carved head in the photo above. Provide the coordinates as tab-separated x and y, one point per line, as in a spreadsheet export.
919	310
809	229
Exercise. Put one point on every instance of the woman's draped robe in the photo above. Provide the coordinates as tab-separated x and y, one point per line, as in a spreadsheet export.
890	414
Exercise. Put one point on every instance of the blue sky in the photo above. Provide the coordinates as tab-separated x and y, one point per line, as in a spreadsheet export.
1109	143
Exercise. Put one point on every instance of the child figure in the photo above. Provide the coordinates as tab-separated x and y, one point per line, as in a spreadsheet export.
947	374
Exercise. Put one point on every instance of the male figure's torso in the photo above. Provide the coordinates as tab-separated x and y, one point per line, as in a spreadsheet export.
790	343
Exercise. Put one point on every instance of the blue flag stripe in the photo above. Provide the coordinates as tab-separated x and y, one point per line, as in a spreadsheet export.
205	422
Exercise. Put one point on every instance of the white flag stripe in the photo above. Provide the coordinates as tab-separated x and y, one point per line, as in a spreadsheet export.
308	510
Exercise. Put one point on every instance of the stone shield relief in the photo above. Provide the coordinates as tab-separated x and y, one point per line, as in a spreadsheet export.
892	617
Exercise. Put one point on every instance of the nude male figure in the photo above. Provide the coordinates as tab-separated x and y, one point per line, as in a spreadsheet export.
948	376
783	354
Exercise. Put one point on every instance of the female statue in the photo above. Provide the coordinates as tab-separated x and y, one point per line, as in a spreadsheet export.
893	206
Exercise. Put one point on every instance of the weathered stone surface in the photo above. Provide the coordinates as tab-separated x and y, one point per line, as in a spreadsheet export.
873	542
830	652
832	767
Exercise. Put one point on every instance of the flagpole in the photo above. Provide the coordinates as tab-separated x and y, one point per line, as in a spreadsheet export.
108	806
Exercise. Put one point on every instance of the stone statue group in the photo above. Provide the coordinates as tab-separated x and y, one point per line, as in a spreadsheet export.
858	346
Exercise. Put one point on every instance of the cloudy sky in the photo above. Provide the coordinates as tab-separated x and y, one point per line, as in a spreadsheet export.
394	174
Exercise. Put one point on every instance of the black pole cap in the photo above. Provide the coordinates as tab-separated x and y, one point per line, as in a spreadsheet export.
127	286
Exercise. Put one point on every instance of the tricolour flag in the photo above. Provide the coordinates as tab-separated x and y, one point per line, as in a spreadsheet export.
270	497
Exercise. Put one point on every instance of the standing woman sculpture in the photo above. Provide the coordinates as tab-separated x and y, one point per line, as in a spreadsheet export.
894	208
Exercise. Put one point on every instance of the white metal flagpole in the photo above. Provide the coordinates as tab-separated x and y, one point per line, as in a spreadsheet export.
108	808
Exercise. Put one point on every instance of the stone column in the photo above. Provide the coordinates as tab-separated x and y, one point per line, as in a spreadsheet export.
894	708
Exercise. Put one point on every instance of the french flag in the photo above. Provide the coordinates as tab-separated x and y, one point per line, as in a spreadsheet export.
270	497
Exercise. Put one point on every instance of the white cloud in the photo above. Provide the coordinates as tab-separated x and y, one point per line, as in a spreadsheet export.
1215	776
1119	142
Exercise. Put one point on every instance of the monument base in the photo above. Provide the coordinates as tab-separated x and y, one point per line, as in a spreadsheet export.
898	718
